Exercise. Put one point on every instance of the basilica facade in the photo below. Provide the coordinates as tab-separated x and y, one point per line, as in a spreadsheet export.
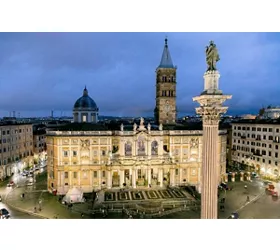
91	156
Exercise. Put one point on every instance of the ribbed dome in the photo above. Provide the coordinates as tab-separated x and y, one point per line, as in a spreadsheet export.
85	102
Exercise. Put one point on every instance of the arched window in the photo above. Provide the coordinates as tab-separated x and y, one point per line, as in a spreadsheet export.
154	148
141	146
128	148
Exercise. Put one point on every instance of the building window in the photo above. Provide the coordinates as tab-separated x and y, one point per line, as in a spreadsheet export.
103	174
65	153
276	155
277	130
154	148
263	160
84	174
141	146
74	175
84	118
253	129
74	153
264	129
103	152
276	146
276	163
269	153
269	146
269	162
270	130
66	175
176	171
139	173
94	174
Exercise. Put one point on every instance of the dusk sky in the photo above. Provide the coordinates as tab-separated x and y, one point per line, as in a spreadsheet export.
40	72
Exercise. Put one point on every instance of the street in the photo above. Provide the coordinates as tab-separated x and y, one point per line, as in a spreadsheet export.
4	190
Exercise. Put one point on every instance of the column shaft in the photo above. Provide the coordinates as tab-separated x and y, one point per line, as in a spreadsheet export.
209	202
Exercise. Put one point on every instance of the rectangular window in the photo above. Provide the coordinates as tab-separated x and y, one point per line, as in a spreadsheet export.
74	175
269	153
103	152
94	174
66	175
276	155
103	174
264	137
176	171
277	130
269	162
263	160
270	130
85	175
74	153
65	153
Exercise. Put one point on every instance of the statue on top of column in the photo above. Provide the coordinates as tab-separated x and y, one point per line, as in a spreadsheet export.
212	56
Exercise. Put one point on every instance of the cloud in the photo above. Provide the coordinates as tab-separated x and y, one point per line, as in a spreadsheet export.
44	71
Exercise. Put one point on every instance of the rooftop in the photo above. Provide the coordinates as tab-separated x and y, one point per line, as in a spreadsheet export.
257	121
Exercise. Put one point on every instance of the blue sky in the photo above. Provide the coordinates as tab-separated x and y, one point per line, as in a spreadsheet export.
40	72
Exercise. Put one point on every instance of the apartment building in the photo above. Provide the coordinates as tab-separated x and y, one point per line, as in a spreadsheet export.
256	143
16	144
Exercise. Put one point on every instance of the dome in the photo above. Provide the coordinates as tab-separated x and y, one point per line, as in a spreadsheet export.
85	102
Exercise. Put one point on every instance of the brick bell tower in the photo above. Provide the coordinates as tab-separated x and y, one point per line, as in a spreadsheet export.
165	111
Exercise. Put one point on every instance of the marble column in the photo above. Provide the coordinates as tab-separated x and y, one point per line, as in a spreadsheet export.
210	100
172	177
109	179
99	179
226	177
133	178
232	177
121	178
241	176
160	177
248	176
149	177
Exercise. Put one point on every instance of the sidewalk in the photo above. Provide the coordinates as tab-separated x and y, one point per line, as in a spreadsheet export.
50	205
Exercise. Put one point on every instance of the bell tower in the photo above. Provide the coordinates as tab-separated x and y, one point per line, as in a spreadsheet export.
165	111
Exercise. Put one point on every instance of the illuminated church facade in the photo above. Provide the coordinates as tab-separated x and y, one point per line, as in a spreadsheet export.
91	156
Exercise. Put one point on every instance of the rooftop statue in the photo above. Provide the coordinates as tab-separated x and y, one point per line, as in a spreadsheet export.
212	56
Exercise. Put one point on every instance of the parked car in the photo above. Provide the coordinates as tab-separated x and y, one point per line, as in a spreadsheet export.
4	213
234	216
225	186
10	184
